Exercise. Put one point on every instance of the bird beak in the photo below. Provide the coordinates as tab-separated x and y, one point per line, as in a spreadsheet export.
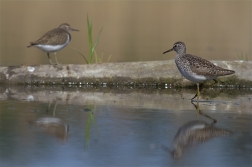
73	29
168	51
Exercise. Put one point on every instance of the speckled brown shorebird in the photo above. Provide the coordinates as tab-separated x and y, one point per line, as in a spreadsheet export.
194	68
54	40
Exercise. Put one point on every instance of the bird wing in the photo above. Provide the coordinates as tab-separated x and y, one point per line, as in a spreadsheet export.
52	37
200	66
205	67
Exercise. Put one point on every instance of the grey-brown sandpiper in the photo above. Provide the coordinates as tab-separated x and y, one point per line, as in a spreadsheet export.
54	40
194	68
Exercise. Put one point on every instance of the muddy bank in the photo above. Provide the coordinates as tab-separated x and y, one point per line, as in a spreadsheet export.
128	74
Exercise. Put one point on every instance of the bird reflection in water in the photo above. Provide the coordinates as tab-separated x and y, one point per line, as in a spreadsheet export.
53	126
194	132
199	111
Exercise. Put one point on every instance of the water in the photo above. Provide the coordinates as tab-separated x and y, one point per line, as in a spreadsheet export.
91	127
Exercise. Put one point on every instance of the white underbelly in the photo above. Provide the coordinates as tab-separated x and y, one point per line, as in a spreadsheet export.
193	77
52	48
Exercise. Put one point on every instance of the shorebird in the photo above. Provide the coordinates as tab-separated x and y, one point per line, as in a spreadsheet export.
54	40
194	68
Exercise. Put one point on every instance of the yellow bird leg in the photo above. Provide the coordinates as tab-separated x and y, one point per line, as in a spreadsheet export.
198	92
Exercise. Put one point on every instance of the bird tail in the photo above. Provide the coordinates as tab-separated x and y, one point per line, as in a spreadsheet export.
31	44
226	72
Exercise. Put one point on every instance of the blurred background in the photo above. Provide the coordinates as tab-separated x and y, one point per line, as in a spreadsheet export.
132	30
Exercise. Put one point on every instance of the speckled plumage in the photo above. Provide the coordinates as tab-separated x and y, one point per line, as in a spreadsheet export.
195	68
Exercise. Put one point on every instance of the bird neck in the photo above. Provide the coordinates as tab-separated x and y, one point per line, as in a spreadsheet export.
180	54
181	51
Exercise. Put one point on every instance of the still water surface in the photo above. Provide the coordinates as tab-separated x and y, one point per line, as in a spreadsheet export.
35	133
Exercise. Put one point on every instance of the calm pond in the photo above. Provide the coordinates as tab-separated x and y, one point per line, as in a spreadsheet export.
85	126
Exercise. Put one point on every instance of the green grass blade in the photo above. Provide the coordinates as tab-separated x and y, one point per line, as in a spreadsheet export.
109	57
97	40
90	41
80	54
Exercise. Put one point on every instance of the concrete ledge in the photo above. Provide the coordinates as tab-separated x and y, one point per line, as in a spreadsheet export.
126	74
